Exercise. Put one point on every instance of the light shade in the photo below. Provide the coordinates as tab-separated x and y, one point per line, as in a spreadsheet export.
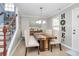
44	22
38	22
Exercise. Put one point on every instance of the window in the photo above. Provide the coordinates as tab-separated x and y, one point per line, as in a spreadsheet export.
9	7
55	23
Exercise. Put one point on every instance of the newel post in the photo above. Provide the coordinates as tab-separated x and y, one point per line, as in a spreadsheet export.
4	31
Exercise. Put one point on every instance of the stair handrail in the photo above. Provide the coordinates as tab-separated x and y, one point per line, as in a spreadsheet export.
4	31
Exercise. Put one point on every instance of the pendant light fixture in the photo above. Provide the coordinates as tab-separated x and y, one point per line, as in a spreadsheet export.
41	21
41	8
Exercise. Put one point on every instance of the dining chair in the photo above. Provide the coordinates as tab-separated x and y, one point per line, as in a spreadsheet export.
30	41
57	40
54	41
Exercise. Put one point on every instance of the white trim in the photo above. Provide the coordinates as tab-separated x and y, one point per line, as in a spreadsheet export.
62	10
72	51
66	46
67	6
16	47
69	47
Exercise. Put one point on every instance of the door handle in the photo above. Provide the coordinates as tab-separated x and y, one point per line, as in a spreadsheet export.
74	33
74	30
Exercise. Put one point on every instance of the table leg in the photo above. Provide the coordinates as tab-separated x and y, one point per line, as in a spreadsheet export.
46	45
41	45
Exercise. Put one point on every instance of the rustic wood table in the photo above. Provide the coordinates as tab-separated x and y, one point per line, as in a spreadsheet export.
44	40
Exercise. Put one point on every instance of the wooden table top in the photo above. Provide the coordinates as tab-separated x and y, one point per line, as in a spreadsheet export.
44	36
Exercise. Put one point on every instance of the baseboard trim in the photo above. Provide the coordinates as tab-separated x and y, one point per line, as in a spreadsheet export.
69	47
66	46
16	47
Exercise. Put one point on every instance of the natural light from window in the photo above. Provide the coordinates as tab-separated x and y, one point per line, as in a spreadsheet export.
9	7
55	23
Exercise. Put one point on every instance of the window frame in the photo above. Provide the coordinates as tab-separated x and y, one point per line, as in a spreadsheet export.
57	25
9	7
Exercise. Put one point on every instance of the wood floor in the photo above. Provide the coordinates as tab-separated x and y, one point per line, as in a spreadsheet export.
20	51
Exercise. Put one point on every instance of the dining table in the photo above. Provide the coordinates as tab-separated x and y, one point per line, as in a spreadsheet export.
44	40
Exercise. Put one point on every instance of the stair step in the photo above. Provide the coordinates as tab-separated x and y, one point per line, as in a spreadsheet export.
1	42
1	53
7	34
1	46
1	26
2	37
1	49
1	30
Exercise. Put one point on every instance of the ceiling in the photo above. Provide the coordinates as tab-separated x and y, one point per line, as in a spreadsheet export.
33	9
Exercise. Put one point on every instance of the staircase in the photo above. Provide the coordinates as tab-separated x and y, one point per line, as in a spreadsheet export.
2	40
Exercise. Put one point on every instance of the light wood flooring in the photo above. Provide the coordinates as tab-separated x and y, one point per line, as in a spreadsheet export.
20	51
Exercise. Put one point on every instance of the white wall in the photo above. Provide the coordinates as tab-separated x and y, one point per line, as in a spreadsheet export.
68	18
48	24
24	24
68	27
68	33
26	20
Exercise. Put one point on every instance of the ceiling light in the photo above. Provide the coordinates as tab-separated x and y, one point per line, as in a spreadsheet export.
44	22
38	22
41	9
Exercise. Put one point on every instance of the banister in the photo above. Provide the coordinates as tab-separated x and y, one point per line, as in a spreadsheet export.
4	31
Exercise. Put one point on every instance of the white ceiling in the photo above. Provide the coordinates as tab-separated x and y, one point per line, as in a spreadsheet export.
33	9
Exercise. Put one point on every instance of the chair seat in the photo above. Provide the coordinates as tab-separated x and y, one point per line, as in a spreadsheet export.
32	42
54	41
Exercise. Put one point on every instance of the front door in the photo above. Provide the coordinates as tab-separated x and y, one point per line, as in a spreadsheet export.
75	29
